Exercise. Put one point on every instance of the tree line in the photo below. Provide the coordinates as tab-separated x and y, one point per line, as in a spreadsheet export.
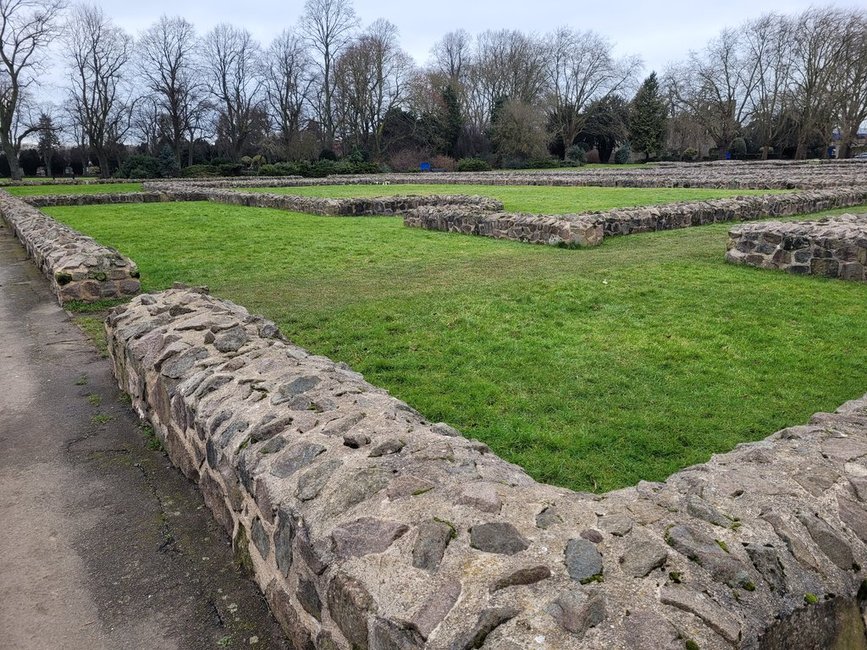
328	87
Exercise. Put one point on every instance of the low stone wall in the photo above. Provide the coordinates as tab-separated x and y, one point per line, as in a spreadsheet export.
833	248
560	230
728	175
368	527
349	207
77	267
588	229
103	198
625	221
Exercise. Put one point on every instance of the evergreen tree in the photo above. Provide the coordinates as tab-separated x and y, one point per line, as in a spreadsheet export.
453	122
48	141
168	164
649	118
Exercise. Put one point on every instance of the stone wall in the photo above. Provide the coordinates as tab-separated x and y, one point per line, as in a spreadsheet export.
560	230
103	198
588	229
833	248
368	527
77	267
730	175
365	206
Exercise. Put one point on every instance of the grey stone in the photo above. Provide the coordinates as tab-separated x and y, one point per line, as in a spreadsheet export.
281	605
583	561
617	525
647	630
766	560
482	496
642	557
356	440
430	544
311	482
294	388
707	552
501	538
392	446
308	596
833	545
854	516
434	610
548	517
295	458
260	538
231	340
349	604
577	611
366	535
701	509
284	535
386	634
489	620
408	485
592	535
522	576
716	617
356	488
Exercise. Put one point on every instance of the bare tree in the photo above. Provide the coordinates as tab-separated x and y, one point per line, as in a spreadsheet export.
767	48
371	77
166	65
288	77
452	55
581	69
716	85
27	27
232	61
99	52
851	82
327	25
818	53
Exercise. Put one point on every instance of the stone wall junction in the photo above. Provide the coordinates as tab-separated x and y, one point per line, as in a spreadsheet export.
368	527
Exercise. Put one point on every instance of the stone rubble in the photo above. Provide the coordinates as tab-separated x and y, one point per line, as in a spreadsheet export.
835	247
441	544
77	267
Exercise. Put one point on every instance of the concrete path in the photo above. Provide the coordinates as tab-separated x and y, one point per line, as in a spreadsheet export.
103	544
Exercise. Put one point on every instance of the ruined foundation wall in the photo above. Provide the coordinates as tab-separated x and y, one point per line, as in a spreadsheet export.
77	267
368	527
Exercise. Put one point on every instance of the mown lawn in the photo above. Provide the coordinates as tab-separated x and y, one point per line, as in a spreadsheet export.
96	188
533	198
591	368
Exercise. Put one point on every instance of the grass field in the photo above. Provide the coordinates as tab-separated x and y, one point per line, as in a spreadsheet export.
528	198
591	368
96	188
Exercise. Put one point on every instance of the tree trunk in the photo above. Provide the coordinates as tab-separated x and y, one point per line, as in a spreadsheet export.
15	172
102	159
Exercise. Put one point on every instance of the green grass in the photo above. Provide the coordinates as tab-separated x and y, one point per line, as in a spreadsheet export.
104	188
591	368
533	198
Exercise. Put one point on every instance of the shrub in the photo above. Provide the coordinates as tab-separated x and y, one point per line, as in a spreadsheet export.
473	165
446	163
139	166
407	160
327	154
200	171
739	148
543	163
690	154
576	153
229	169
622	155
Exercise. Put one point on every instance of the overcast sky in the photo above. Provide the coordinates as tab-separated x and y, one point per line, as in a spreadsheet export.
657	31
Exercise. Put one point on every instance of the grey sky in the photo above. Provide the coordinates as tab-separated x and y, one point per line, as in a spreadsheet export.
659	32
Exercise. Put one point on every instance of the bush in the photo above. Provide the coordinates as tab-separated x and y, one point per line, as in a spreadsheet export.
473	165
690	154
200	171
407	160
739	148
446	163
139	166
327	154
543	163
229	169
576	153
622	155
